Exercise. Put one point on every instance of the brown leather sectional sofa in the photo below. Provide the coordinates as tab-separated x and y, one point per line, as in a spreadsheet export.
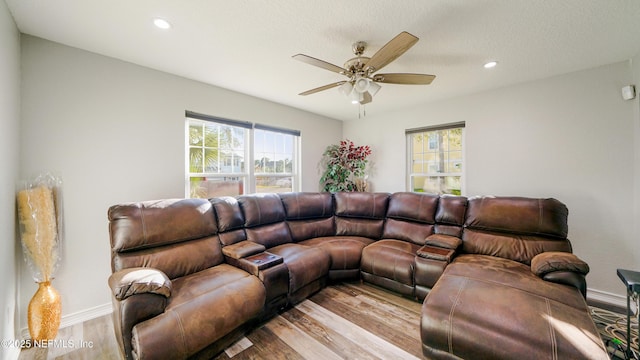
191	275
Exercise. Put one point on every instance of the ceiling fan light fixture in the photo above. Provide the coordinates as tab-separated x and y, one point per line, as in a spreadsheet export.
374	87
346	88
361	84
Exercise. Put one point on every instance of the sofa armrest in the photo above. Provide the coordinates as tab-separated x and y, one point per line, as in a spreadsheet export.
562	268
552	261
443	241
254	263
139	280
430	263
242	249
436	253
138	294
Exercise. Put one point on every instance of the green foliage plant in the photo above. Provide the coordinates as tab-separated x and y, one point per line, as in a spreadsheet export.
343	163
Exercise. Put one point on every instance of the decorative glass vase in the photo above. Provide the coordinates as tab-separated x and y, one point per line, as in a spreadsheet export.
44	312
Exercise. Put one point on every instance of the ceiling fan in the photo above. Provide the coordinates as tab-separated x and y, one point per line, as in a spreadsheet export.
362	83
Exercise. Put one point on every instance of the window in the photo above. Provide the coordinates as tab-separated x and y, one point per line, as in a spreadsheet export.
219	152
436	159
274	160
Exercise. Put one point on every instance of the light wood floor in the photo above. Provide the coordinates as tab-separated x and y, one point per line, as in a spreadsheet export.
93	339
347	321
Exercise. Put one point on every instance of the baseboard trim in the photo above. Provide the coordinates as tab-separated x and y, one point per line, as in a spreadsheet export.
607	297
78	317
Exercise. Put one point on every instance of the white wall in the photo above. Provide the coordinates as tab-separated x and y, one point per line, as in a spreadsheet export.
570	137
9	153
114	132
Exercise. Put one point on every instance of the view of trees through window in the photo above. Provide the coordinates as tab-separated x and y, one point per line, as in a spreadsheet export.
274	153
216	159
436	159
218	155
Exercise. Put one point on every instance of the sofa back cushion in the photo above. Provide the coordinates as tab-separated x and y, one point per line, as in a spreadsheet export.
306	205
264	219
410	217
261	209
360	213
450	215
309	215
230	220
515	228
178	237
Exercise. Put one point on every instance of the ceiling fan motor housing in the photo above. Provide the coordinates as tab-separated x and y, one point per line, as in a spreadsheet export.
356	64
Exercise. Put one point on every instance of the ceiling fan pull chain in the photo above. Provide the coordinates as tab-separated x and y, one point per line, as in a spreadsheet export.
362	111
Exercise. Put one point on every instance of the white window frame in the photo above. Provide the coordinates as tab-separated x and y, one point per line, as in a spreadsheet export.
295	167
249	175
410	174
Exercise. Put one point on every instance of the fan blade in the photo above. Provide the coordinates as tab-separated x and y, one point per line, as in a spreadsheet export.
322	88
367	98
320	63
407	79
391	51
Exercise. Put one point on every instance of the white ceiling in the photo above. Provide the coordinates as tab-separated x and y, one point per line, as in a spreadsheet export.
246	45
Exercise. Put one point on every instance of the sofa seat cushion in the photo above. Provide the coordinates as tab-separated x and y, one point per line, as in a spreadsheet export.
345	251
203	307
390	259
306	264
484	309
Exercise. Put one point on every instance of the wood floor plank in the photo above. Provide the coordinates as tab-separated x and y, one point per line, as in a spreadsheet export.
238	347
265	345
326	335
97	344
383	295
366	316
395	317
299	340
374	344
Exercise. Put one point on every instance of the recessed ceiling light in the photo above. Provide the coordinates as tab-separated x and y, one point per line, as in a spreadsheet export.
161	23
490	64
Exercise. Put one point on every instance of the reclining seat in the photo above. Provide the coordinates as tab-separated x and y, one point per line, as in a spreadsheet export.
311	222
173	296
248	255
390	262
264	222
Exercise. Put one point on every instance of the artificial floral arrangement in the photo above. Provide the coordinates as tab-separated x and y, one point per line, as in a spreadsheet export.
345	166
40	219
